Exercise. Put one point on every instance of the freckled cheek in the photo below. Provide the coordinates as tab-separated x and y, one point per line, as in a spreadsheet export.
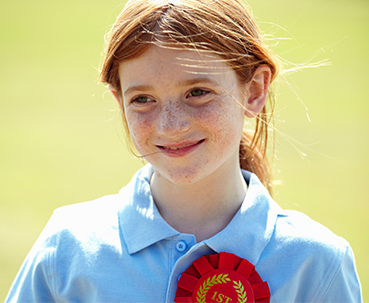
224	124
139	127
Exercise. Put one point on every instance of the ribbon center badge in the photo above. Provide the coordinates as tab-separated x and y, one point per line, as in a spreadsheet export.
222	278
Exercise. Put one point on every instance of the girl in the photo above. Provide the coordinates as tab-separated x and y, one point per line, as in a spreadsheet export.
197	224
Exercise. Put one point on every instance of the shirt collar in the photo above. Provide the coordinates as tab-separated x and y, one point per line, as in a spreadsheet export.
141	223
250	230
246	235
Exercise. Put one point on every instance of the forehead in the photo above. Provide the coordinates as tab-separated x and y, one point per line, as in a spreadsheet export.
159	63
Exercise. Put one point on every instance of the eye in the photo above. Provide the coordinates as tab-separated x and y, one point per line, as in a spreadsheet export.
141	100
198	92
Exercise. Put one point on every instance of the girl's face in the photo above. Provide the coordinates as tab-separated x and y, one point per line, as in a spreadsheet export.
184	112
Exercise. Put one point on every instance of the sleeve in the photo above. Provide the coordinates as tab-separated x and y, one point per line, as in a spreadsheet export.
345	285
33	282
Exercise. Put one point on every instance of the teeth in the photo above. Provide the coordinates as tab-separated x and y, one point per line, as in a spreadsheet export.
172	148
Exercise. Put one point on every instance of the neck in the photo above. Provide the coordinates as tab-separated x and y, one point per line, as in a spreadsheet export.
202	208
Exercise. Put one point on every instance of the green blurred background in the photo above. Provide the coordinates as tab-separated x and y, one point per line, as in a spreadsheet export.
62	142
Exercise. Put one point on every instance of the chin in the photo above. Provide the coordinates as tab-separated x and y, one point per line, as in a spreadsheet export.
182	176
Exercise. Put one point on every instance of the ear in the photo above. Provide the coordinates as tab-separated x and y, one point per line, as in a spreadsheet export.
258	90
116	95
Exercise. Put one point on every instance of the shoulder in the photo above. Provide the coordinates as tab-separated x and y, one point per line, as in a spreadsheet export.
84	225
310	261
304	241
293	227
75	248
73	238
95	221
84	222
87	212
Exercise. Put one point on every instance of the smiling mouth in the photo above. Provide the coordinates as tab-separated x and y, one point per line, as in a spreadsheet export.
191	144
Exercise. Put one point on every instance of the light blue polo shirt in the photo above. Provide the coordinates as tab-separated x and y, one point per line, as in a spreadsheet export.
119	249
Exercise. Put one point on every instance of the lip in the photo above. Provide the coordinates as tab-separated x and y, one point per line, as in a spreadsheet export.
180	149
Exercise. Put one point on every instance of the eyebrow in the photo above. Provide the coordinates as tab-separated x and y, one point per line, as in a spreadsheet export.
145	88
141	88
204	80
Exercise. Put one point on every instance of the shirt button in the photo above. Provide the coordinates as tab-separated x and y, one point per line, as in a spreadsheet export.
181	246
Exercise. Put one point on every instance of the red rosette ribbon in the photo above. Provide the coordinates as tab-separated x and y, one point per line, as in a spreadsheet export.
221	278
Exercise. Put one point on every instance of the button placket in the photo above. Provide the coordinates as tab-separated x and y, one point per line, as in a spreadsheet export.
191	253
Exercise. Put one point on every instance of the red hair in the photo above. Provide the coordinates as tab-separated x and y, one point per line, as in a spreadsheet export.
220	27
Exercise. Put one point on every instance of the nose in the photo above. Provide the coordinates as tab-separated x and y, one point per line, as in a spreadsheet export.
173	120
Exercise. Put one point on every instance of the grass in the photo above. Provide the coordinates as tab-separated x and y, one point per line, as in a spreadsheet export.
62	141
